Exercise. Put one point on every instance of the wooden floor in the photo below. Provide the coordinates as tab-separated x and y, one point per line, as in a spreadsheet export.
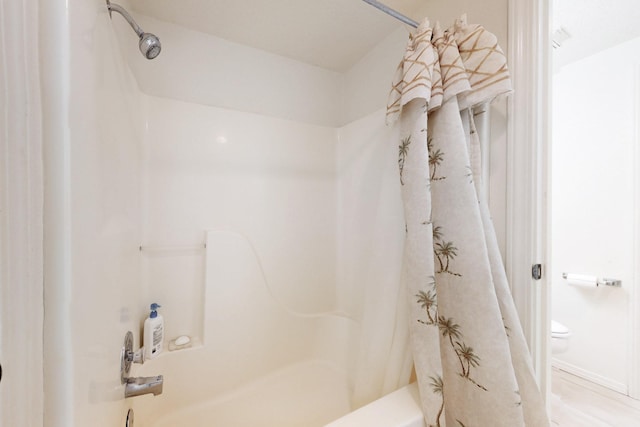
580	403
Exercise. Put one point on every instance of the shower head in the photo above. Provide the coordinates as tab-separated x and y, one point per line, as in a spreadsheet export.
149	43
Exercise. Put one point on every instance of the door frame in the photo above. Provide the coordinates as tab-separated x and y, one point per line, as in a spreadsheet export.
634	292
528	187
21	217
527	159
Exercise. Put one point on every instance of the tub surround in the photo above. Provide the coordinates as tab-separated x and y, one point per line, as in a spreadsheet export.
107	215
325	194
263	355
92	216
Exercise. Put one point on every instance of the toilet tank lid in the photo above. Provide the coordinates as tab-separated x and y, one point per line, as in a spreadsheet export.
558	328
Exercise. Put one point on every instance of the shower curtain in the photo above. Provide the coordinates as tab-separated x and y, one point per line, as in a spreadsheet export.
470	355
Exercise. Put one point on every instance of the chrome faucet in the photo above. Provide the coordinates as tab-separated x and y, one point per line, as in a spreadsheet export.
136	386
143	385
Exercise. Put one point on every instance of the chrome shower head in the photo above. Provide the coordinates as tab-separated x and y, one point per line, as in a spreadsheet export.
149	43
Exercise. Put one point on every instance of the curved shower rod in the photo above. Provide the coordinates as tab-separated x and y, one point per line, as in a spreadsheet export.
386	9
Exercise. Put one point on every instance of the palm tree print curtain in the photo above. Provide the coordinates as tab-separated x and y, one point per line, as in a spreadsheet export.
470	355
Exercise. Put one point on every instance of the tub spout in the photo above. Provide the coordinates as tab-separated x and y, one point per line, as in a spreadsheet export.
143	385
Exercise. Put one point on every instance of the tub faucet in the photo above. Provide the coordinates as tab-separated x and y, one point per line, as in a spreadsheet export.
136	386
143	385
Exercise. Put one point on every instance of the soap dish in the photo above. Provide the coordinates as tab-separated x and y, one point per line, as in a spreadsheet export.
183	341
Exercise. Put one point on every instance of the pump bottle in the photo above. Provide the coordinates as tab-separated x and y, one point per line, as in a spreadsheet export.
153	333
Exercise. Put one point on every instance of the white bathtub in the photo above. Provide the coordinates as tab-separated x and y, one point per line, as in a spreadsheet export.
262	365
398	409
308	394
311	394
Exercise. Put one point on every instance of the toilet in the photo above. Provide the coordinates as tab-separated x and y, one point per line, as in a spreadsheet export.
559	337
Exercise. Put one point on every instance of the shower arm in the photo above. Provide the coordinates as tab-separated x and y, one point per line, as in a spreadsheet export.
117	8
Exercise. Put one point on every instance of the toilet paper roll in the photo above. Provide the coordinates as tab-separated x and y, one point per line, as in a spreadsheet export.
581	280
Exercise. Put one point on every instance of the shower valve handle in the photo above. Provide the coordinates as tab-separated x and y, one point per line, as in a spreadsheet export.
135	356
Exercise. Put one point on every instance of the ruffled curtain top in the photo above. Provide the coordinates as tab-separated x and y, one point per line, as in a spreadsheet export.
464	61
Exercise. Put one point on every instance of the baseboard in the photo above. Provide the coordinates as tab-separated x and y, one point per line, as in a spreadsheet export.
591	376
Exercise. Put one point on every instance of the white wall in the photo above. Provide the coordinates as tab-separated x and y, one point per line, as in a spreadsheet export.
21	217
272	180
204	69
366	85
92	219
593	208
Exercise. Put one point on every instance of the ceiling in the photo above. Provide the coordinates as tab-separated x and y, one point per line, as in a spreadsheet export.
332	34
335	34
594	25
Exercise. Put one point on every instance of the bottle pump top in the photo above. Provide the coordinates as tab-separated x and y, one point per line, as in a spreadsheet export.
154	313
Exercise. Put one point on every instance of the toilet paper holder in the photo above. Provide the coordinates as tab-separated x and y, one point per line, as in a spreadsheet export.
591	280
